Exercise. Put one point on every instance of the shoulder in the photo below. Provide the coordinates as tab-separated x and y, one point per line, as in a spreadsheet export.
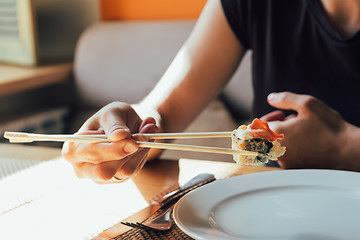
241	15
249	18
262	8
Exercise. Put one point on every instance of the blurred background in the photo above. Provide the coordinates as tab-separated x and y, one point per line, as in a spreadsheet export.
61	60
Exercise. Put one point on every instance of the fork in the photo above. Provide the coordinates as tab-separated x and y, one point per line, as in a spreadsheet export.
161	223
163	220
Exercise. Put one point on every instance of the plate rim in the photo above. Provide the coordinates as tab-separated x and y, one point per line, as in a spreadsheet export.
250	175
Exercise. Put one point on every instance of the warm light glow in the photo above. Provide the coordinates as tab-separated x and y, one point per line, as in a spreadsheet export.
49	202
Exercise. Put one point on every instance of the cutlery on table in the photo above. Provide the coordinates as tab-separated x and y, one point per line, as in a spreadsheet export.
161	219
162	222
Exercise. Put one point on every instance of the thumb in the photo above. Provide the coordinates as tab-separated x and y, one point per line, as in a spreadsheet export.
289	101
115	128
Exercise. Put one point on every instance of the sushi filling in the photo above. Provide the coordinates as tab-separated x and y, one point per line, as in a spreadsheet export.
259	145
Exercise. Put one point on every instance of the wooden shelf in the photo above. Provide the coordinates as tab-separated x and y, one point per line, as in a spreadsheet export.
15	79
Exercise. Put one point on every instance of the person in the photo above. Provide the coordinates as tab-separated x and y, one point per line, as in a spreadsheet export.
306	77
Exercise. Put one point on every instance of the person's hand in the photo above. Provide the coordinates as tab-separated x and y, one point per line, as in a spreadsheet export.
116	160
315	137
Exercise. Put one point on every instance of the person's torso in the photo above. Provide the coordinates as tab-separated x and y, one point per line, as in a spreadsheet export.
295	49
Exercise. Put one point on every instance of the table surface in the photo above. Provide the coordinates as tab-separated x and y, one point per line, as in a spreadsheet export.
18	78
52	192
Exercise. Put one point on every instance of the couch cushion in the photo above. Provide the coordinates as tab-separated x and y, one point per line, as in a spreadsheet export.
123	60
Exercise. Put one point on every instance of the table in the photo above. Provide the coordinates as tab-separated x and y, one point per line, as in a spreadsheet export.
17	78
47	200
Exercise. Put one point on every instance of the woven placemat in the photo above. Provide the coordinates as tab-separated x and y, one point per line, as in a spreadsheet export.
174	233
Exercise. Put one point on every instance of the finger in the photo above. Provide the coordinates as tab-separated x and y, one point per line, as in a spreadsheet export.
149	126
305	104
98	152
147	121
98	172
281	127
290	101
291	116
114	126
273	116
105	171
90	124
133	165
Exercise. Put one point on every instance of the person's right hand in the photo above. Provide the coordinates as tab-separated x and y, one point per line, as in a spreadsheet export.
316	136
119	159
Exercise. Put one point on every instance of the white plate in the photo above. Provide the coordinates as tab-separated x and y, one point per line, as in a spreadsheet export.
291	204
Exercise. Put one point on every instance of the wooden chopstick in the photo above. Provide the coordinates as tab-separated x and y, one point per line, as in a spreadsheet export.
21	137
29	137
174	135
195	148
17	137
187	135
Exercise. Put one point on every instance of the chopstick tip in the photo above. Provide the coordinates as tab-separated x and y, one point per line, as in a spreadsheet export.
15	134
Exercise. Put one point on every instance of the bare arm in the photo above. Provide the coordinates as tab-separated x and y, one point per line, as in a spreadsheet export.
198	73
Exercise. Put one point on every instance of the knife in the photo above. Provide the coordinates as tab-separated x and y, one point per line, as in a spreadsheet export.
197	181
166	201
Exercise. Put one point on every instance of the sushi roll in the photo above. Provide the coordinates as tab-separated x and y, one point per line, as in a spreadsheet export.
257	137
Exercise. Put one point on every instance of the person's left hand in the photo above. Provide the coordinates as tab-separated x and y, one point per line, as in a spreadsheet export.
314	137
